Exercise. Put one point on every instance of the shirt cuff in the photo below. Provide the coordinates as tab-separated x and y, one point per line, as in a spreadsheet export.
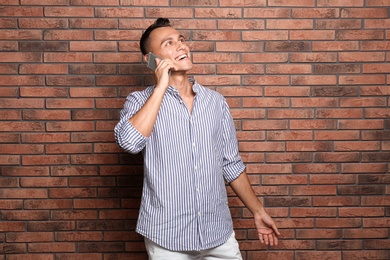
130	139
233	171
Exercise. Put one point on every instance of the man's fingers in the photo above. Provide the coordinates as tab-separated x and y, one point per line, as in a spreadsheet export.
261	238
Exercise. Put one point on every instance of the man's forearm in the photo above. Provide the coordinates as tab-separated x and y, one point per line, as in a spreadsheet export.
244	191
145	118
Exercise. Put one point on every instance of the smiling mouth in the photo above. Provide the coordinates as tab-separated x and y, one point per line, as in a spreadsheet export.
181	57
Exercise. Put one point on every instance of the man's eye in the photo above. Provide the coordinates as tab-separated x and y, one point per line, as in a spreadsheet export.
169	42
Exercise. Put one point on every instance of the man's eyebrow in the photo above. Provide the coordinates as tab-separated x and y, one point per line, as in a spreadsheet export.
170	38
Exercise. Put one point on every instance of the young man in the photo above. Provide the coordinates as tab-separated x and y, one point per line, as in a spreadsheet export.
188	140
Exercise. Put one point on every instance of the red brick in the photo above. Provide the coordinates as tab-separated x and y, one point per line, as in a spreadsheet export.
288	69
9	46
8	23
78	236
361	212
45	159
357	146
30	237
94	159
359	35
21	103
76	46
68	35
217	13
239	25
21	149
69	126
365	233
343	201
377	112
96	203
119	12
46	23
69	11
45	204
240	46
264	102
10	159
264	57
362	80
297	35
8	69
68	57
44	2
52	247
361	56
376	24
21	126
339	113
365	254
286	91
68	148
283	180
365	13
315	13
66	103
335	46
43	69
364	168
73	214
31	257
342	3
313	80
289	24
263	146
21	11
10	115
117	57
43	92
288	3
308	146
313	57
288	113
46	115
65	193
313	190
376	68
313	212
69	80
266	13
336	68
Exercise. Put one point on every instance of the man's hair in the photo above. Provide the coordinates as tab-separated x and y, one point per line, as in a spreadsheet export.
144	42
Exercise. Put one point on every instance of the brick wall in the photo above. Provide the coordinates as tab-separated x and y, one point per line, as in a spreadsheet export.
307	84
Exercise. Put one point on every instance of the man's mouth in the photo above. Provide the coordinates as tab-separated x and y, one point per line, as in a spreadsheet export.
181	57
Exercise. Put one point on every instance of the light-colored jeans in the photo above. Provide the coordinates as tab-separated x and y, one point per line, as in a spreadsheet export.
228	250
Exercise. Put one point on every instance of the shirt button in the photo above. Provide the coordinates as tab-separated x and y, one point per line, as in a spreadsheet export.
197	189
199	213
196	167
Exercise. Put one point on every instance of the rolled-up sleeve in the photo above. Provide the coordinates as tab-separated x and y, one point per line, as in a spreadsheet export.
233	165
126	135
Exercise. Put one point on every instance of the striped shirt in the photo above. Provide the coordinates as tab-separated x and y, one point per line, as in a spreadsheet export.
187	159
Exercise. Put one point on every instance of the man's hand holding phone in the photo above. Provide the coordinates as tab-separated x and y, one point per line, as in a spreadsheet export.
162	68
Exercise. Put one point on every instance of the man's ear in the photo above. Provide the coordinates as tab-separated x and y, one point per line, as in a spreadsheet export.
146	56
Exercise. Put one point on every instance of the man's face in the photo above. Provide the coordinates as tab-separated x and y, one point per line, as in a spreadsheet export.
168	43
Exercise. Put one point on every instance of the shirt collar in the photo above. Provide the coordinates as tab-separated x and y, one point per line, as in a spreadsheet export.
195	87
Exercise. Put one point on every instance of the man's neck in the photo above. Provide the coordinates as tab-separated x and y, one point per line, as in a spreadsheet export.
182	84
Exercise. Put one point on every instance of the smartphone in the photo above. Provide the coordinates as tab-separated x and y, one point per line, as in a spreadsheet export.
152	61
